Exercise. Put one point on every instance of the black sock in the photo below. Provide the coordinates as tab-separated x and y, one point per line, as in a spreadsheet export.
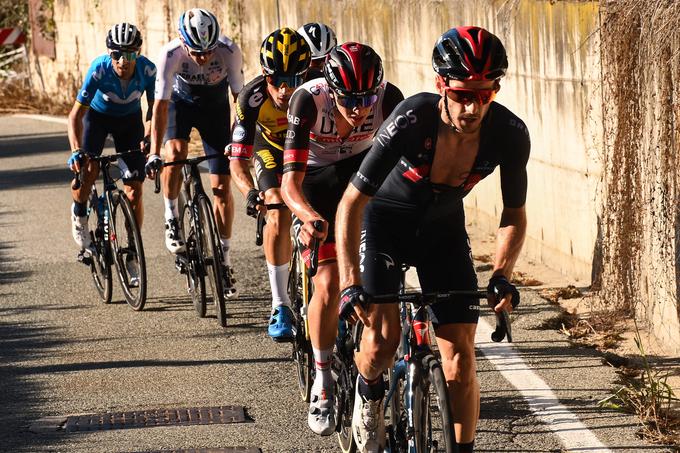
467	447
373	390
80	209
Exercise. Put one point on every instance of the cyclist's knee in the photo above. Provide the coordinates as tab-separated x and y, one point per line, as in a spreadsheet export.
326	284
175	149
460	367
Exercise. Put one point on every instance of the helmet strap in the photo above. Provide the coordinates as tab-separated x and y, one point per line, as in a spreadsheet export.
446	108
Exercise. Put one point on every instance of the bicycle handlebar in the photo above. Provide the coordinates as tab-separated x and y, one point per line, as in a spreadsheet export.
503	322
78	179
191	161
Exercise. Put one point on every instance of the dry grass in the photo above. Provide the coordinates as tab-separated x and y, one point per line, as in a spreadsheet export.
18	98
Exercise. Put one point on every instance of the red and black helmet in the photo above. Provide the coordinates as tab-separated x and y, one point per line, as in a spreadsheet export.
469	53
353	69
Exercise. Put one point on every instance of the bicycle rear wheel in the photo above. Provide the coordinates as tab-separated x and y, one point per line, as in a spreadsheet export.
193	271
100	265
395	420
211	252
346	380
128	252
437	427
302	348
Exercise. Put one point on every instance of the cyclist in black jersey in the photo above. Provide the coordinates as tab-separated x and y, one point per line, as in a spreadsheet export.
426	157
331	125
258	133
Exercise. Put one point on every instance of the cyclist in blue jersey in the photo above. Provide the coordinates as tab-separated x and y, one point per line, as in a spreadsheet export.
109	103
195	72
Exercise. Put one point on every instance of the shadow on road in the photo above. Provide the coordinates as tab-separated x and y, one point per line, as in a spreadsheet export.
37	177
28	145
21	398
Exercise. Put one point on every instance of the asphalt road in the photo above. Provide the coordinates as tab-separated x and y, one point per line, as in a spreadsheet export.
63	353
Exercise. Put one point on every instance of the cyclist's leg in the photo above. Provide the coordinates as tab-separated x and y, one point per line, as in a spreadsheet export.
94	136
380	275
127	133
176	147
268	162
213	125
447	265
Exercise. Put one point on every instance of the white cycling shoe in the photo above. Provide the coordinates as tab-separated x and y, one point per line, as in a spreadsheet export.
321	416
173	236
80	231
368	424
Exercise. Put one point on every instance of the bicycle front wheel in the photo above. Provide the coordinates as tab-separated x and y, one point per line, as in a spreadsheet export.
128	251
437	427
302	349
100	265
211	252
194	272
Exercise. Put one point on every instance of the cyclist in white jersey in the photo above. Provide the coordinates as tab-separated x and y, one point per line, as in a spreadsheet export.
195	72
331	123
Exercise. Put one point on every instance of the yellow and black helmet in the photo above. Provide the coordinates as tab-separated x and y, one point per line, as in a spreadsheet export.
285	53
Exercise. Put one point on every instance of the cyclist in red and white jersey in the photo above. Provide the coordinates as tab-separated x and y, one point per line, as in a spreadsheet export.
331	124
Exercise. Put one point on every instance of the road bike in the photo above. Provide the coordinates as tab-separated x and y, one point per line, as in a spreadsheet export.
115	236
417	412
203	251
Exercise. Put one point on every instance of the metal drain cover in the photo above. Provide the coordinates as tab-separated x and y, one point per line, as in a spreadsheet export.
143	419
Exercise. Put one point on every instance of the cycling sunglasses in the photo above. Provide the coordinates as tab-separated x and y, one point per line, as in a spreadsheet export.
467	96
200	53
351	102
128	55
290	81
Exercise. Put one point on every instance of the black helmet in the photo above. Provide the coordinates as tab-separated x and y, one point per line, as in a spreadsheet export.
469	53
353	69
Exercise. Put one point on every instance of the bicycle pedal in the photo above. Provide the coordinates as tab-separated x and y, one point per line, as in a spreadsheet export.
85	257
180	265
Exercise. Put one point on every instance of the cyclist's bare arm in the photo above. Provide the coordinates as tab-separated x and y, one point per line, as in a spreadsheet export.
75	124
240	174
291	190
159	122
348	235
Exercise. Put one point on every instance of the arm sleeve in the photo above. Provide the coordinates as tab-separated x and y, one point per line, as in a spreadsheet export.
165	75
514	168
302	113
91	84
389	144
150	75
245	122
236	69
392	97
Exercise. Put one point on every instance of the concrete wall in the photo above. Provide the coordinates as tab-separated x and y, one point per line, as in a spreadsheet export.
552	83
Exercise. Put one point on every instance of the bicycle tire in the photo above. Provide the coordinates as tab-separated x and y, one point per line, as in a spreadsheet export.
437	421
344	393
395	420
211	256
135	296
302	349
194	273
100	266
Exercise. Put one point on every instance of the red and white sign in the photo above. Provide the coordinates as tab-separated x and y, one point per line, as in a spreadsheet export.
11	36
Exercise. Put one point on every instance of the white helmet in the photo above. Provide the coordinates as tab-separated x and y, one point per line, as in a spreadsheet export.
199	29
124	36
320	37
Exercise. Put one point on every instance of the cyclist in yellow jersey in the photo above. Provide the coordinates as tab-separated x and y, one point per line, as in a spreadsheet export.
259	132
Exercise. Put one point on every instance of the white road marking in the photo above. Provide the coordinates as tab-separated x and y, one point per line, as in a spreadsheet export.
545	405
49	119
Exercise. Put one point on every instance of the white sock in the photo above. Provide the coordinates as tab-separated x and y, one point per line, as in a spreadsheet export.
278	280
171	209
225	251
324	378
